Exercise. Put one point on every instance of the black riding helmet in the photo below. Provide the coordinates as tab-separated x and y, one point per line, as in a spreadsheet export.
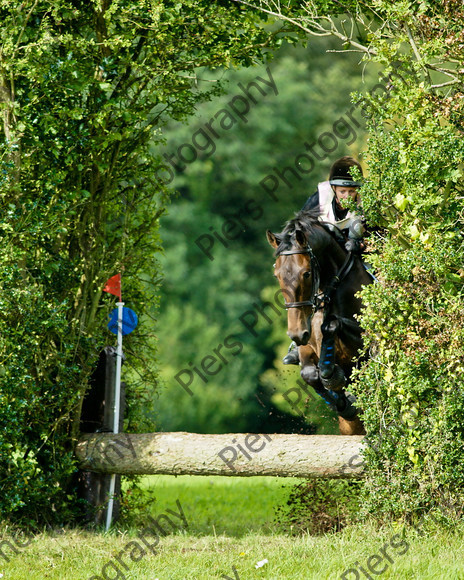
340	172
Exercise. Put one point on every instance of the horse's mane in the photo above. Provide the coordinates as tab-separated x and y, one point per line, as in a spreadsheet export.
305	220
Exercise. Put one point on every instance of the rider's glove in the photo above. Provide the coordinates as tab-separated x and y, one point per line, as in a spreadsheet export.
354	245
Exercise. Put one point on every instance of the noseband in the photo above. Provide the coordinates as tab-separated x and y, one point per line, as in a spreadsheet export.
316	278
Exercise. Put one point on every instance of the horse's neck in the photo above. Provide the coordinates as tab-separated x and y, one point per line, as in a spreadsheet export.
345	301
331	258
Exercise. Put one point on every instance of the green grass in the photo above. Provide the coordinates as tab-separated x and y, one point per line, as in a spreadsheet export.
233	506
231	525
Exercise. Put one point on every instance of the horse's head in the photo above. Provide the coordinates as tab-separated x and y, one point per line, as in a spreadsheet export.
297	271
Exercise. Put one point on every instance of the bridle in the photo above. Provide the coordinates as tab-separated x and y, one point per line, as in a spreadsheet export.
319	301
314	301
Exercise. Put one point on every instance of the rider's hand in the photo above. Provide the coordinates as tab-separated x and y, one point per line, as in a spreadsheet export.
354	245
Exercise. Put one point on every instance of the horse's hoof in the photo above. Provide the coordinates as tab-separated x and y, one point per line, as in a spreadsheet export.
349	410
326	372
310	374
337	380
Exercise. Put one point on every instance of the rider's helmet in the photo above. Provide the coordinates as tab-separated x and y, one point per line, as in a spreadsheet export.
340	172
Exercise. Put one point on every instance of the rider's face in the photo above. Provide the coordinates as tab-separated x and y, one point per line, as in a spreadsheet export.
343	193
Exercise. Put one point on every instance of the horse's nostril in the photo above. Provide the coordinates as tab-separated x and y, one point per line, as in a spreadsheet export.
301	338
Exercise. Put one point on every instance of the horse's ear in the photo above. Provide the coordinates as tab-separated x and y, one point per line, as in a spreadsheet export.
272	239
300	239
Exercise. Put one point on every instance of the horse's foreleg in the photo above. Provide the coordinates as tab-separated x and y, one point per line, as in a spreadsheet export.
353	427
332	375
339	401
311	375
329	380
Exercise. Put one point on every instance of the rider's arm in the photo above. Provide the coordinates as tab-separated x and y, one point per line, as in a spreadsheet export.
312	202
356	232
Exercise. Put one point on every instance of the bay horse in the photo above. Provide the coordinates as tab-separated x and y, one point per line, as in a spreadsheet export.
319	280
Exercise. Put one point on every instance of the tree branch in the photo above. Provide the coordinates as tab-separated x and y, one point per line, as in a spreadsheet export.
321	31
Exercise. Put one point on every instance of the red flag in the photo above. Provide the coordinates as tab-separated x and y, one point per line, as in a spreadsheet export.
113	286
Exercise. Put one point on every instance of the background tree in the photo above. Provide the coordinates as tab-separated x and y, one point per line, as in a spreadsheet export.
84	90
206	292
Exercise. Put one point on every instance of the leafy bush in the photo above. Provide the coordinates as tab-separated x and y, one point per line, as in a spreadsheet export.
411	389
84	92
320	506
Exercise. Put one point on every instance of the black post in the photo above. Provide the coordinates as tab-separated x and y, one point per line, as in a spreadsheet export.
97	417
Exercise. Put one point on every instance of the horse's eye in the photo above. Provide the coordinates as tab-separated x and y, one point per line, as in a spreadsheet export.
306	274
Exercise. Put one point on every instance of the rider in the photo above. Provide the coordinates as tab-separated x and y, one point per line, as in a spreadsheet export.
331	197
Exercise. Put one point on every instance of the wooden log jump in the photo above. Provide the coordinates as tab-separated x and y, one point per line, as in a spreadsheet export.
307	456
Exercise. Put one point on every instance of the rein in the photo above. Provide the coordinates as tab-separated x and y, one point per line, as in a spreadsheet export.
320	301
334	283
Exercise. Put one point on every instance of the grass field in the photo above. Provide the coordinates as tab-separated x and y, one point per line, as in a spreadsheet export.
230	529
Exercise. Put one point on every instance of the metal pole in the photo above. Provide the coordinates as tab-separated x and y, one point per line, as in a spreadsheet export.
117	398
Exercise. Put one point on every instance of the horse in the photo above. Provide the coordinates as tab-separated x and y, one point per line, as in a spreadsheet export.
319	280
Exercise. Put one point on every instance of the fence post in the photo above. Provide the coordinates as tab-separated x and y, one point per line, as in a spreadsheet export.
97	417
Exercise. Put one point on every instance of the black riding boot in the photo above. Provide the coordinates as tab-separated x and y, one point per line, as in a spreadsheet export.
292	357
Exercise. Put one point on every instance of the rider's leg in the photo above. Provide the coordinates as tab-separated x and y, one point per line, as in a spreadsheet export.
336	398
